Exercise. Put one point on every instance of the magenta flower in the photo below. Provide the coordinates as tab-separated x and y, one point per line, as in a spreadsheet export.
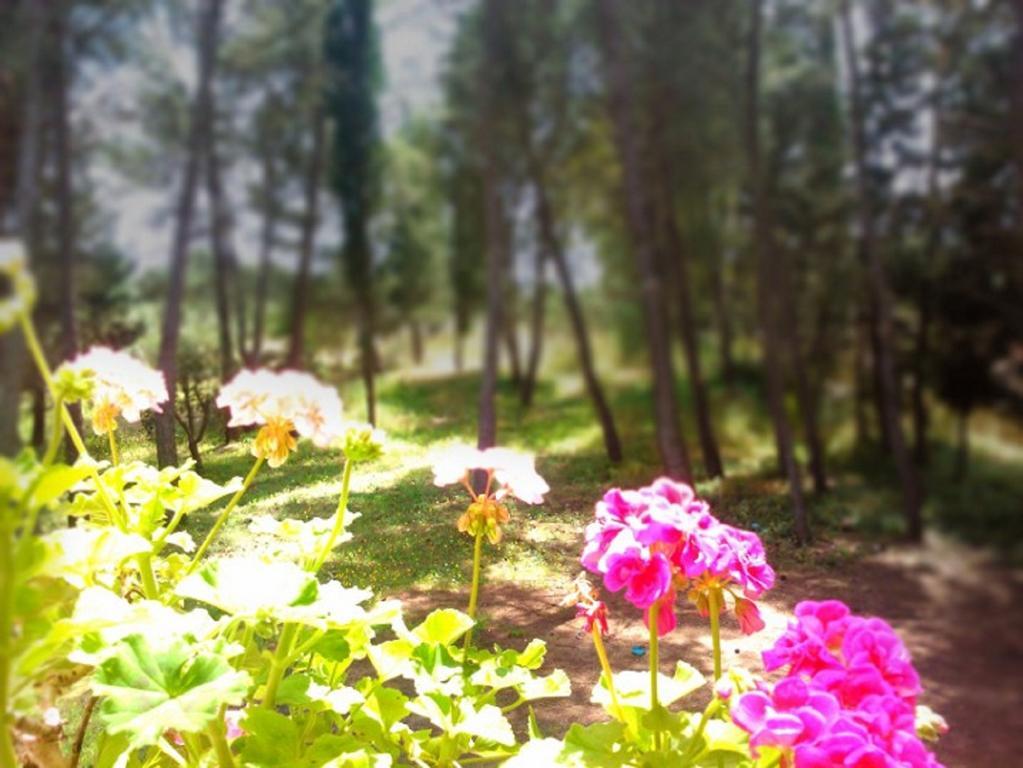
860	665
792	714
652	540
645	575
593	613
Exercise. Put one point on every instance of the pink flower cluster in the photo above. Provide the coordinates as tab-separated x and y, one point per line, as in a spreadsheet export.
849	698
658	539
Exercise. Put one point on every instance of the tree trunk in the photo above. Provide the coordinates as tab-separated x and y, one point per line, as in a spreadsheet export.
765	249
726	360
862	430
416	336
921	353
678	267
962	444
805	399
552	245
496	237
266	247
310	222
536	329
220	244
207	34
459	349
878	285
12	350
510	325
66	241
639	213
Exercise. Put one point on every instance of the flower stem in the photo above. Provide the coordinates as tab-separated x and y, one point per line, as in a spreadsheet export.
477	556
654	610
216	733
279	664
8	758
714	606
115	456
56	435
222	517
605	665
339	519
32	342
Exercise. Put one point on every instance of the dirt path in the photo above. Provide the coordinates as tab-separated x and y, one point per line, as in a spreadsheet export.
960	615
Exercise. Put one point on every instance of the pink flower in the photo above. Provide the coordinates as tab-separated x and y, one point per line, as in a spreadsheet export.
593	613
645	576
792	714
748	614
232	722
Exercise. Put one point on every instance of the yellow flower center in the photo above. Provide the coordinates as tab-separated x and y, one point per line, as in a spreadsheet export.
275	441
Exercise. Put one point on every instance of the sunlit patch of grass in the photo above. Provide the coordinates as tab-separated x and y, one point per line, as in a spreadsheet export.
407	538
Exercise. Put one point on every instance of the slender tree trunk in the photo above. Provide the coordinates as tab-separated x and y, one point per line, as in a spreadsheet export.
766	252
66	240
12	352
310	221
510	325
552	245
220	244
805	399
679	268
879	290
267	239
722	317
495	227
877	389
639	211
416	336
921	354
962	444
459	350
860	375
536	329
208	31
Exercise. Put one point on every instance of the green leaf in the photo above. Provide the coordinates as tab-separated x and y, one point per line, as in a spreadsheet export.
723	736
661	719
555	685
250	587
56	481
149	690
443	626
271	739
633	687
81	555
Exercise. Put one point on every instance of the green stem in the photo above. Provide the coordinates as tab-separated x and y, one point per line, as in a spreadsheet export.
279	665
32	342
654	704
56	435
8	758
714	605
115	457
474	592
605	665
709	712
216	733
222	517
339	519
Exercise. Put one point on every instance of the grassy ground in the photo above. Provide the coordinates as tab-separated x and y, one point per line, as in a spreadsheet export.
406	537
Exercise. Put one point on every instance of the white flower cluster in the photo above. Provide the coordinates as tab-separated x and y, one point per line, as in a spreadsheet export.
120	385
265	397
514	471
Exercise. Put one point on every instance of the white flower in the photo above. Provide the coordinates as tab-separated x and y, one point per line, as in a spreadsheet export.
264	396
515	471
121	386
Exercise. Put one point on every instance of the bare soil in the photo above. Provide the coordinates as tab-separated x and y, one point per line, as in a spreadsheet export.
959	612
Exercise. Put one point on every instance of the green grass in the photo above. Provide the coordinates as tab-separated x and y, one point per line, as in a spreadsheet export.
406	536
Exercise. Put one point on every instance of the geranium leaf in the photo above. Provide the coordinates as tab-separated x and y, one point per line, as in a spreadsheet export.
148	690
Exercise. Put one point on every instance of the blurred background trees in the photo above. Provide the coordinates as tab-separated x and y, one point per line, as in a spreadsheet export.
816	202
